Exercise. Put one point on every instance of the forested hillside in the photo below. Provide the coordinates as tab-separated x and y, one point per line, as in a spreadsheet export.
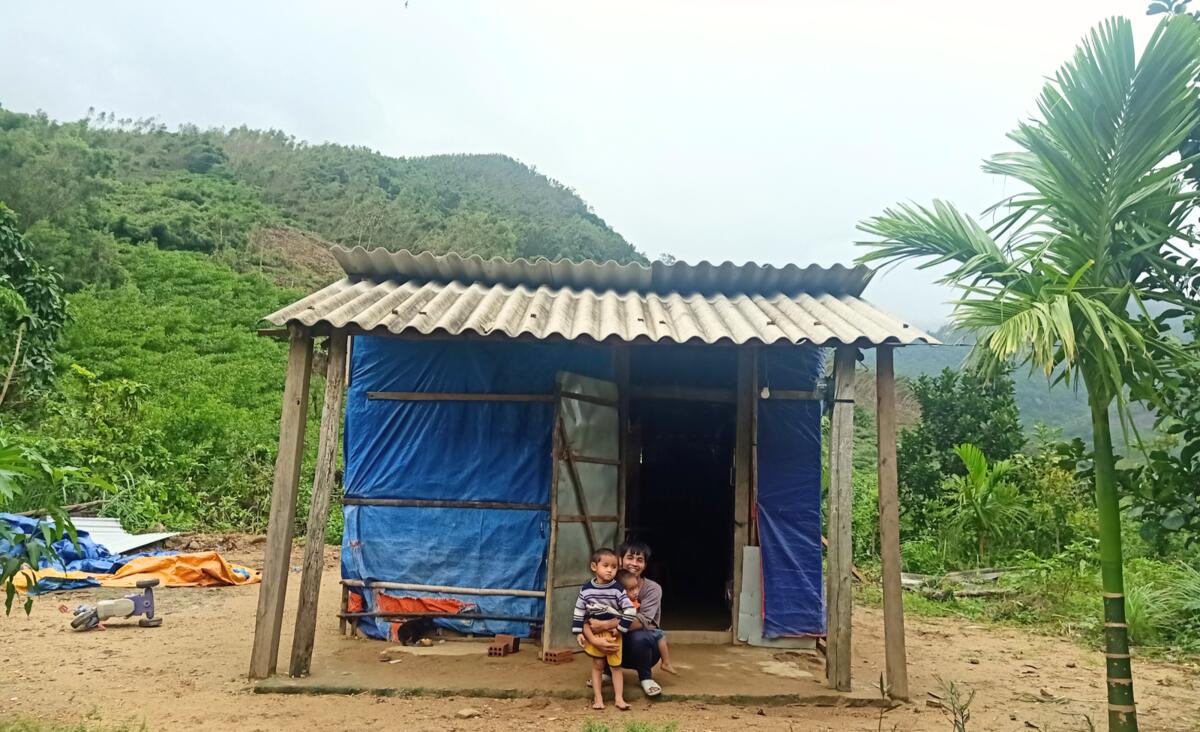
171	244
81	188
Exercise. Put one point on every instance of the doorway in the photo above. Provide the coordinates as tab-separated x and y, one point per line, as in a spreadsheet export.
680	494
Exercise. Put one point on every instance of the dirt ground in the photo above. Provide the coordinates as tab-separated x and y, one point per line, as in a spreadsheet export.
189	674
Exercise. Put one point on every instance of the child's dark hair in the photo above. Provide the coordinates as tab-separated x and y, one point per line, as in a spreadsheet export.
625	574
603	552
633	546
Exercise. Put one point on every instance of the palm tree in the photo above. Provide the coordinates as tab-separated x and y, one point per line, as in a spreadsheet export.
1054	280
984	504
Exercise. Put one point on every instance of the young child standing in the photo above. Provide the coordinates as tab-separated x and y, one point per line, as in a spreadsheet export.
633	586
603	598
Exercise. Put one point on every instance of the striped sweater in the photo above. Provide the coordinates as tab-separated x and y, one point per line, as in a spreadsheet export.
603	602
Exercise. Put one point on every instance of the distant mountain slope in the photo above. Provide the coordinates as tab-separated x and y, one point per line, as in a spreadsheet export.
83	186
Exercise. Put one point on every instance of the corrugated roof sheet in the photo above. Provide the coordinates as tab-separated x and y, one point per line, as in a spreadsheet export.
683	278
107	532
400	292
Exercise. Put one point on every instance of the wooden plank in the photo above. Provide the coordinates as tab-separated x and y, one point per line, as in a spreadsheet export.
595	460
305	631
621	372
839	590
429	396
577	482
754	454
448	589
280	333
589	399
790	394
292	421
457	616
438	503
741	470
345	608
578	518
552	544
896	661
684	393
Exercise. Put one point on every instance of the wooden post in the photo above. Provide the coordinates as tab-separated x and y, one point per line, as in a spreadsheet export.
552	544
889	525
318	510
621	373
747	400
839	591
292	422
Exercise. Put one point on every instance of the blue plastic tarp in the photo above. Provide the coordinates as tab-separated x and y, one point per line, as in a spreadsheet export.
454	450
789	494
87	557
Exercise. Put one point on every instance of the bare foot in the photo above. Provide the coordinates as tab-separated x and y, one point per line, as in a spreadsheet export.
598	705
620	704
668	668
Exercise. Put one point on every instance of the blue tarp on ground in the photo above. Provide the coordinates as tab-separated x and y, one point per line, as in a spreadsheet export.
87	557
789	495
443	450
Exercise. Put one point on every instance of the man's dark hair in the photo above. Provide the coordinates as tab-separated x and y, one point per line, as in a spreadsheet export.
633	546
603	552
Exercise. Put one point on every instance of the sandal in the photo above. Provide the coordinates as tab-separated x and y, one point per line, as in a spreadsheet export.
651	687
604	679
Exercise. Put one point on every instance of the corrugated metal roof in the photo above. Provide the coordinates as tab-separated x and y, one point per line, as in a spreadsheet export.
400	292
107	532
686	279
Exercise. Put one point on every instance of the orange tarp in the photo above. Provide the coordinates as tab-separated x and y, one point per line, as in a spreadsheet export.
198	569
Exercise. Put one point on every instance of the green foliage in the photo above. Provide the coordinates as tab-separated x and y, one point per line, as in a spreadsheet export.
983	505
190	211
182	421
26	478
1163	490
1093	235
33	312
956	407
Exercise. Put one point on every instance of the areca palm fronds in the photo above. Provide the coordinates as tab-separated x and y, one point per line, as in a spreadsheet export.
1099	228
986	505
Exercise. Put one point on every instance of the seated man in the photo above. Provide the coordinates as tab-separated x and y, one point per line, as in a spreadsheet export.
639	649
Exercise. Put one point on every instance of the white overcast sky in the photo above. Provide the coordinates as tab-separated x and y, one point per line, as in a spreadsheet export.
719	130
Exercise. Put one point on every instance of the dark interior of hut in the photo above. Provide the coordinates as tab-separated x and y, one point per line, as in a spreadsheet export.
680	493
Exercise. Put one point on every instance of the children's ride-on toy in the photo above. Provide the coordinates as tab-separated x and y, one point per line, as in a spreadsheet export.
88	617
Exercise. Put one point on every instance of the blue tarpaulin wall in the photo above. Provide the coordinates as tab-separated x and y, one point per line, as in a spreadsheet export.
500	451
464	451
789	494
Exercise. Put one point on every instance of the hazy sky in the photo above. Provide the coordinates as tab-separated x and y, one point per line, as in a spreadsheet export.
711	130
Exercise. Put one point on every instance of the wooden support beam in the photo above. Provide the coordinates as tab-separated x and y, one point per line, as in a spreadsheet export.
552	544
429	396
318	508
840	559
442	503
747	401
446	589
292	421
889	525
622	377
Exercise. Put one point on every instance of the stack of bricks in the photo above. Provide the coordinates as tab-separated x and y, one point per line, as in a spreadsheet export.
504	644
558	655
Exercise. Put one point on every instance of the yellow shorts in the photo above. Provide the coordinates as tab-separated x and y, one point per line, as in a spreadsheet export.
614	659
